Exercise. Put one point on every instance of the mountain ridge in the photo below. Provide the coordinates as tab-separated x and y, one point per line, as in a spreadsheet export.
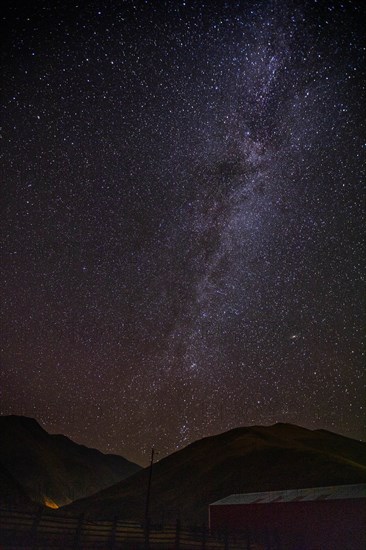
51	468
245	459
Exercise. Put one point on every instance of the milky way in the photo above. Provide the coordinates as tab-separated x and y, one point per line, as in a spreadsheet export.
182	218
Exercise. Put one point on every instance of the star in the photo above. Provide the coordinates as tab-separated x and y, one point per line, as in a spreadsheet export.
182	219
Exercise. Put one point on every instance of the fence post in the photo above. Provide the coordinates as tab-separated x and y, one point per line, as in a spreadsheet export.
177	534
112	539
267	535
78	532
226	539
277	540
248	539
147	533
203	546
35	525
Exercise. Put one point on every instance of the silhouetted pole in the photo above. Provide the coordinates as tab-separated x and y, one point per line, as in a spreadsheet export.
78	532
35	526
177	535
148	501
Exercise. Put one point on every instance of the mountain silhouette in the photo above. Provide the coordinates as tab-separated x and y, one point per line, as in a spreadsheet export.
282	456
52	469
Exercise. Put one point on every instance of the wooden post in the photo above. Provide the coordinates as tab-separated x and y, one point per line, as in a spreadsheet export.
79	528
147	533
203	546
226	539
177	535
267	535
149	486
35	525
248	539
147	504
277	540
112	539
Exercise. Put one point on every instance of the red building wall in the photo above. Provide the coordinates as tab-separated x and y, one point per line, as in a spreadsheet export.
319	524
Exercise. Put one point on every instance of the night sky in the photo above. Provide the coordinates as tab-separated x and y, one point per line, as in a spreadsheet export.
182	218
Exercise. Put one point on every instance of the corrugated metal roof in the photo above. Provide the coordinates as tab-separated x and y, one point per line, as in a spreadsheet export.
297	495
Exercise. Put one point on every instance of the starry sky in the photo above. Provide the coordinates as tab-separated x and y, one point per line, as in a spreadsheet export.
182	218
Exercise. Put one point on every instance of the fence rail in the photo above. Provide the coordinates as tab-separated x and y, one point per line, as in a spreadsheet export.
41	530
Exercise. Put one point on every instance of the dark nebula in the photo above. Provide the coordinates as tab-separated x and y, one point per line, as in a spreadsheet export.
182	218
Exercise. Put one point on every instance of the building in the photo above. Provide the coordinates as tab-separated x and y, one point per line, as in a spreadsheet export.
319	518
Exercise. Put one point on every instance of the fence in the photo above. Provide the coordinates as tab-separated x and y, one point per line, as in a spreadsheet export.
43	530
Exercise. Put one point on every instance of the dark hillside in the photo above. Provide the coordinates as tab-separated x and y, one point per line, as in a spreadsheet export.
52	469
251	459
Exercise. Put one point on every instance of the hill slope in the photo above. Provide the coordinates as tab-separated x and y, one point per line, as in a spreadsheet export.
52	469
12	493
241	460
